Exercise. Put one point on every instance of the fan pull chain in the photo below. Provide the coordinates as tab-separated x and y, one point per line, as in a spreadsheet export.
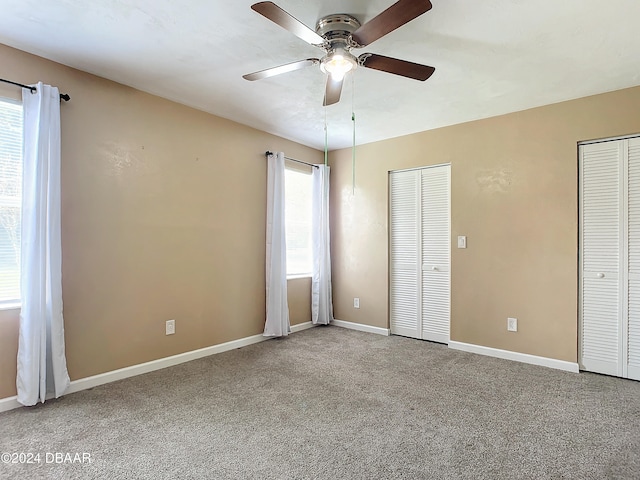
326	138
353	155
353	147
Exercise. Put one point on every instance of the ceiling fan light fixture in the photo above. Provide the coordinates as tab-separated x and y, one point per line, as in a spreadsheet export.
338	63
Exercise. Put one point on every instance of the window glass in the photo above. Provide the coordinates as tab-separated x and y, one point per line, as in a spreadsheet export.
298	221
10	200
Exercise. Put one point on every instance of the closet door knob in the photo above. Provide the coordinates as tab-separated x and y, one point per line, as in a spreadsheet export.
434	268
600	275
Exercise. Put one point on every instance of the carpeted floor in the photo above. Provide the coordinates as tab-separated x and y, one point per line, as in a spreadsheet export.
332	403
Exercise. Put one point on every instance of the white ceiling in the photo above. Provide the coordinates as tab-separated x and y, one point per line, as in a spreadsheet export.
491	57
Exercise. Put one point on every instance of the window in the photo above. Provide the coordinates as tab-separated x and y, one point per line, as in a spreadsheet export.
10	200
297	210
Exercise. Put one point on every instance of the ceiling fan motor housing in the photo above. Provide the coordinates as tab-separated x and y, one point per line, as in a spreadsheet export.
337	25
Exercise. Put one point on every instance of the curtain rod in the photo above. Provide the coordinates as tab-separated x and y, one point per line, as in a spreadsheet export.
267	153
63	96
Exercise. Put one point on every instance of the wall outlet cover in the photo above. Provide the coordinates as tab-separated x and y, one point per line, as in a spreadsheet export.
170	327
512	324
356	302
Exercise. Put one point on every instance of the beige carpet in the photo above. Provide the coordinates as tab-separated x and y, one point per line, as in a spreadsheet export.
333	403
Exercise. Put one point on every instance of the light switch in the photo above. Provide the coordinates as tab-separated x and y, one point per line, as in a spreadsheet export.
462	241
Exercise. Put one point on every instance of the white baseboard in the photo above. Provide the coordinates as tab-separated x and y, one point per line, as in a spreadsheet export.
515	356
142	368
361	327
10	403
301	326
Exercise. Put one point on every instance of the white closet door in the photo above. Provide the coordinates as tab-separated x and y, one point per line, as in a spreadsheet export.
436	276
633	185
600	326
404	295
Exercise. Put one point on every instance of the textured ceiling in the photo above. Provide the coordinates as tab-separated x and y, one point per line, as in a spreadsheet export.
491	57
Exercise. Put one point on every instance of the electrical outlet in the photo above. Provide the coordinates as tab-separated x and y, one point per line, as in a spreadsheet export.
512	324
170	327
356	302
462	241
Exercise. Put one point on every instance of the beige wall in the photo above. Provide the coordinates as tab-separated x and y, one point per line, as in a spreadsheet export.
163	217
514	194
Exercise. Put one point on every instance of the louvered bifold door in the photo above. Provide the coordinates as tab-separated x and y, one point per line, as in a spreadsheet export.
633	186
436	275
600	302
404	292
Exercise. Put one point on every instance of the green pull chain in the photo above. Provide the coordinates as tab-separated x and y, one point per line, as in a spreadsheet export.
353	155
353	147
326	138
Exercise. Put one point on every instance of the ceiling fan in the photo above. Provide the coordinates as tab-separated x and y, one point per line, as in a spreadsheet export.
337	35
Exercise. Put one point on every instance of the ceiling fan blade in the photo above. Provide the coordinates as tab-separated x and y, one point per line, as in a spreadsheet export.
393	17
396	66
278	16
288	67
332	91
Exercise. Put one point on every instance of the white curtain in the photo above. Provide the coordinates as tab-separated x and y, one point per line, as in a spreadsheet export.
277	323
42	367
321	302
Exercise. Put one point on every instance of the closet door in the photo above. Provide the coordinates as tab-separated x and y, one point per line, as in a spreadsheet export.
436	277
633	187
600	325
404	225
419	253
